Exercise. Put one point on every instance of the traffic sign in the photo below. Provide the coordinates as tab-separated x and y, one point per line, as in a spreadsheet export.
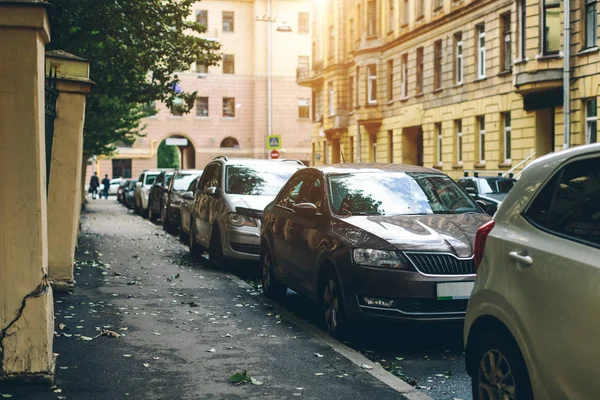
274	142
274	154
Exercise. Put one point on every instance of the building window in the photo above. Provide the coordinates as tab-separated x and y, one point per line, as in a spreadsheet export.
522	17
357	86
372	84
438	133
391	15
551	26
373	147
591	27
200	66
202	107
437	65
507	135
506	51
390	135
230	143
228	64
331	99
390	80
351	158
481	51
359	18
303	108
331	41
121	168
303	64
229	107
458	59
372	17
352	33
459	140
202	17
176	111
227	21
438	4
419	70
420	4
591	119
404	77
302	22
350	91
481	125
405	12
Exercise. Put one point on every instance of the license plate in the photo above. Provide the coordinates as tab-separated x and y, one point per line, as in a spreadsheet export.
454	290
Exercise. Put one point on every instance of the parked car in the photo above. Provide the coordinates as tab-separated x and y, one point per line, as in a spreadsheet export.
122	184
531	330
185	210
488	191
129	193
226	185
142	190
172	198
155	195
114	186
372	242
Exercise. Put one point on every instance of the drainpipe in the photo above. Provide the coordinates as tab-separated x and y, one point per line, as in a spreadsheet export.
358	145
567	75
269	80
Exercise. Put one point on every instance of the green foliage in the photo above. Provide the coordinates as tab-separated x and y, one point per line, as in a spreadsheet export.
167	156
134	48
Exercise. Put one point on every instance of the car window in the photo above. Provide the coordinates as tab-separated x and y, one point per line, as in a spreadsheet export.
168	178
397	193
182	181
467	183
496	185
257	180
291	193
141	179
192	187
150	179
216	178
207	176
315	193
569	204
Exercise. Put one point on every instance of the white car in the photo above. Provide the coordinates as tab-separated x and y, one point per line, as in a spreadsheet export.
532	326
114	186
142	191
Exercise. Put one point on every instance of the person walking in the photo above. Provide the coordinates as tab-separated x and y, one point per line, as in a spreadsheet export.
106	183
94	184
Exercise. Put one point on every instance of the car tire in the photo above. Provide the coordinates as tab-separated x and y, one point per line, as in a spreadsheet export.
151	215
215	248
271	286
499	347
145	212
196	250
183	237
168	226
331	306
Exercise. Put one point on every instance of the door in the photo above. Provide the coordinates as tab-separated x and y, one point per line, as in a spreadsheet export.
200	201
544	131
186	207
552	254
412	145
210	205
305	233
156	193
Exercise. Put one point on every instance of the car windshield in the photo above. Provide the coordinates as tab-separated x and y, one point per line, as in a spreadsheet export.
496	185
257	180
168	178
397	193
150	179
182	181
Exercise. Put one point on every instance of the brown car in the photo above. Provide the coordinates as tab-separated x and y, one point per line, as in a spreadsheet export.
381	241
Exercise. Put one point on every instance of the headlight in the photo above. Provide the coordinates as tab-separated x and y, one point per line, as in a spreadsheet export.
380	258
238	220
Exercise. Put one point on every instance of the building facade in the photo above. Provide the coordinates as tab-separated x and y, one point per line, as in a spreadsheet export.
231	113
458	85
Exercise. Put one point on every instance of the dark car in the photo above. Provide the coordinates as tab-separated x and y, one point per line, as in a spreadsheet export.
129	193
185	210
488	191
120	197
155	195
171	201
383	241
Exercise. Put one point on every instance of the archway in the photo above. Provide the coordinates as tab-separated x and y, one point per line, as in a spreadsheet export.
176	151
230	142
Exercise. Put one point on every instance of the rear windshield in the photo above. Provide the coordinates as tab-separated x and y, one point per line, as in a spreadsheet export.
150	179
258	180
496	185
182	182
398	193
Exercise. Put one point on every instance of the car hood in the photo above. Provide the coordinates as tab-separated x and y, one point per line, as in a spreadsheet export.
252	202
438	232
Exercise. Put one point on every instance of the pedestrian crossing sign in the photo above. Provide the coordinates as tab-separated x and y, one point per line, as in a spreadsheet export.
274	142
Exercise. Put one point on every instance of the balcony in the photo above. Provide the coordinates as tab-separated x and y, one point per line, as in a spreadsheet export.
307	77
302	72
334	124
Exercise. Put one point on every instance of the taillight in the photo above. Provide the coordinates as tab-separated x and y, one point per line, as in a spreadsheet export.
480	239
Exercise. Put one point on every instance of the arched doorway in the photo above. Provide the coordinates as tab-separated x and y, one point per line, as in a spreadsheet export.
176	151
230	143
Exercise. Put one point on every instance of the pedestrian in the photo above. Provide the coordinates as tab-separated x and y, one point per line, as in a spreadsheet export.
94	184
106	183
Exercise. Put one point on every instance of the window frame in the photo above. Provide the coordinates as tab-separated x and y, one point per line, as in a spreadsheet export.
198	115
420	61
372	17
590	5
437	64
331	48
390	80
372	84
522	28
199	14
405	12
330	99
233	108
591	120
302	29
391	16
459	140
228	59
481	52
420	6
481	137
305	107
506	43
543	35
439	142
351	92
404	76
507	136
230	15
459	62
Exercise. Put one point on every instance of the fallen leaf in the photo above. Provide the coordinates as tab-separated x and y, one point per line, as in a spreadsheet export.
6	395
126	355
146	365
85	338
365	366
319	374
61	326
319	355
255	382
400	358
211	350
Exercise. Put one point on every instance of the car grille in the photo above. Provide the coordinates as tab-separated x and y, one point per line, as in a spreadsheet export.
246	248
430	306
441	264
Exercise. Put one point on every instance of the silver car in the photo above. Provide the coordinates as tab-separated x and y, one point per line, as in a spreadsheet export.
228	193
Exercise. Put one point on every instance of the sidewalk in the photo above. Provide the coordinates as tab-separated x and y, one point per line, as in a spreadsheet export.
184	328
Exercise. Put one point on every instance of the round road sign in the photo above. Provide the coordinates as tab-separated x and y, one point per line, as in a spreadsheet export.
274	154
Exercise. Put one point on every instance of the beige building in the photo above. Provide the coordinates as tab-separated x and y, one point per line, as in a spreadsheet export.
231	114
458	85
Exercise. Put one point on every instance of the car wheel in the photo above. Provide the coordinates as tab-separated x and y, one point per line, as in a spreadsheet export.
196	250
166	223
331	306
215	248
271	286
183	237
145	212
152	216
500	372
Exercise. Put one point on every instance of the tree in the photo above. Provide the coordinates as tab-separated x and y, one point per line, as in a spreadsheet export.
134	48
167	156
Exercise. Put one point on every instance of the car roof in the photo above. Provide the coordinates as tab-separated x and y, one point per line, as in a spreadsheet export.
189	171
373	167
256	161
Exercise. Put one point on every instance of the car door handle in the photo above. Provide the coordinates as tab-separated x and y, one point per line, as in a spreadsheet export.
525	260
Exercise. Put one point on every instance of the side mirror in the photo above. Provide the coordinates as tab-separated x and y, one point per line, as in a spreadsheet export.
138	184
165	189
472	191
212	191
305	209
488	208
188	196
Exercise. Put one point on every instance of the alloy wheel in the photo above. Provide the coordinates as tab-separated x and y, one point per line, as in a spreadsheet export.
331	305
266	276
495	377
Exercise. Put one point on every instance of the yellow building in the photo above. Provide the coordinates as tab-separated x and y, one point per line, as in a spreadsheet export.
458	85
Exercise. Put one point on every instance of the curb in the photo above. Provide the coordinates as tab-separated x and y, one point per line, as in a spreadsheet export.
407	391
